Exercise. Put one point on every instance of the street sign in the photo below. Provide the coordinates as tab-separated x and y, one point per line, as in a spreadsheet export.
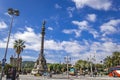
3	62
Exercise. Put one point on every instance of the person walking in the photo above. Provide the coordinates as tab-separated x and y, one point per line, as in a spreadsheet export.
9	74
14	73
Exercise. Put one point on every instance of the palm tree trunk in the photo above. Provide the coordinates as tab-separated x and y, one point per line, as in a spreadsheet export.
18	62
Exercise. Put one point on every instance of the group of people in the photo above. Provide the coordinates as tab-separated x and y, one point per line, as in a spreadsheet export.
12	74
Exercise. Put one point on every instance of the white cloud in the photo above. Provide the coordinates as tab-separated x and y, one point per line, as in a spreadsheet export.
94	33
82	26
95	4
77	32
52	45
70	11
3	25
91	17
26	57
6	13
57	6
32	39
111	47
76	49
72	46
29	36
106	39
68	31
51	61
110	27
101	50
97	49
29	29
50	28
2	44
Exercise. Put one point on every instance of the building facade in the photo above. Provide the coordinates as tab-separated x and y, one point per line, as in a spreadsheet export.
14	62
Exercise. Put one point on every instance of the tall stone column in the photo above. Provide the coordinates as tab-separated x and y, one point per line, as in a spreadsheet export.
40	65
41	60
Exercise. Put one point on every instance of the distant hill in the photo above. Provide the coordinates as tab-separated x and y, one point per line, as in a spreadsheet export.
28	64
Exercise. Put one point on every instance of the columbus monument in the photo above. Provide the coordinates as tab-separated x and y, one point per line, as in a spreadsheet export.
40	65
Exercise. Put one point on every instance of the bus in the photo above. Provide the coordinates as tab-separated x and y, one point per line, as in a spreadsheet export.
114	71
72	71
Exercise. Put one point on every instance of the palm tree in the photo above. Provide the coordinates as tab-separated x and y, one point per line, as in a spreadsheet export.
116	57
18	46
108	61
113	60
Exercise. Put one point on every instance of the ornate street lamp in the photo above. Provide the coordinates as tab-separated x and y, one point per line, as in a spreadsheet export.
91	60
13	13
67	60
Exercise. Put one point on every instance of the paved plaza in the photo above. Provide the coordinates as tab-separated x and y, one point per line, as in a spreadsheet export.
64	77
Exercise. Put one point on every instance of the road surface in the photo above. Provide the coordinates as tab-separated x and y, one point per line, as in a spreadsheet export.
64	77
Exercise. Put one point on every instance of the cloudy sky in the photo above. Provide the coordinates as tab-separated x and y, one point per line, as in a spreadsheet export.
75	28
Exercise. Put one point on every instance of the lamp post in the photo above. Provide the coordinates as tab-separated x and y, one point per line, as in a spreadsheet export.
13	13
91	65
67	60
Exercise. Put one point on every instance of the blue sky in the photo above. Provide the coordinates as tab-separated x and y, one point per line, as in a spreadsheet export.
75	28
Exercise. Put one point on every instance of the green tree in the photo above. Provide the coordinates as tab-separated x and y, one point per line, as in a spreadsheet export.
100	67
57	68
116	58
64	67
81	65
50	67
19	47
7	66
108	62
112	60
28	65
